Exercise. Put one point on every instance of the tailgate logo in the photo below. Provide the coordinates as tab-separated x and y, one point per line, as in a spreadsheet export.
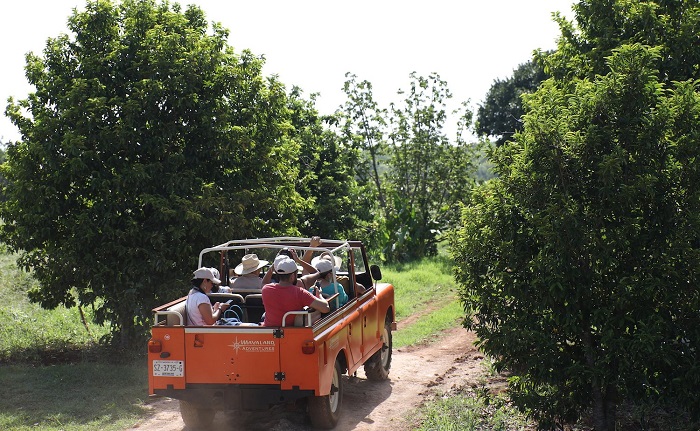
253	346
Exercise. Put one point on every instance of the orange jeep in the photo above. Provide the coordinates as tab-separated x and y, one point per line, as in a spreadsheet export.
250	367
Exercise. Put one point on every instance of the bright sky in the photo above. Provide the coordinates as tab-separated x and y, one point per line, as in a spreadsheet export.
313	43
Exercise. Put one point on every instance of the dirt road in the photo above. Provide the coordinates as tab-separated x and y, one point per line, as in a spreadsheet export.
417	373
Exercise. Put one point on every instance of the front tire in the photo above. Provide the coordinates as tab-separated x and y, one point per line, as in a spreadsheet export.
196	417
325	410
377	367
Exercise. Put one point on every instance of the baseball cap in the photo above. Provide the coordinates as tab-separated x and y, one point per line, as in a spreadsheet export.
323	265
206	273
285	266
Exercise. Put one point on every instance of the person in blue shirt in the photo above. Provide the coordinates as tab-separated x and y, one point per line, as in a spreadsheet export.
326	285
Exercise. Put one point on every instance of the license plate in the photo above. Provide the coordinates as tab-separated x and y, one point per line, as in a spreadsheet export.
168	368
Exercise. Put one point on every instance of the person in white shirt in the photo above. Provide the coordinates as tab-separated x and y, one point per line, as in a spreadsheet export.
200	311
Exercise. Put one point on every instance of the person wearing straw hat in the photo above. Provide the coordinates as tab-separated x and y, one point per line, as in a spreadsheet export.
248	272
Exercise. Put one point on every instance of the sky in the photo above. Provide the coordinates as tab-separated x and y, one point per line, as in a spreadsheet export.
313	43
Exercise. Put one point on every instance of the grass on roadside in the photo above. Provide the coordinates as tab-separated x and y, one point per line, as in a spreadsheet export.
30	334
472	411
77	397
424	328
421	284
426	292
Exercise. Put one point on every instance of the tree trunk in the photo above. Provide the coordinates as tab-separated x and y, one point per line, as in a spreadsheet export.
603	395
604	408
126	331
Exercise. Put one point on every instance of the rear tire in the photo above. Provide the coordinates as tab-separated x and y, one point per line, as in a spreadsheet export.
377	367
325	410
196	417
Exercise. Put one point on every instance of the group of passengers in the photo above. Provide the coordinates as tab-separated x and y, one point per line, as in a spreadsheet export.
290	291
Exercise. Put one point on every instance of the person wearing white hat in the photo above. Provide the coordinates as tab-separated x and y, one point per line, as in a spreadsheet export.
248	272
200	311
344	280
310	275
326	285
217	287
284	296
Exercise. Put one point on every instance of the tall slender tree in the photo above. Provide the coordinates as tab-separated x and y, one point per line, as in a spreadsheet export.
338	204
428	173
364	127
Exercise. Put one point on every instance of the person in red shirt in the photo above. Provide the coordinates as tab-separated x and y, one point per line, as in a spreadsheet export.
279	298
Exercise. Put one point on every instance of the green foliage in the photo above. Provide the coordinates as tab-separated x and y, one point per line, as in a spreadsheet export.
146	140
338	202
363	127
428	174
578	263
605	25
484	167
501	113
3	181
416	173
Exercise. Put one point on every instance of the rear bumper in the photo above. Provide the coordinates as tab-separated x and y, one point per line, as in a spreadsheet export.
235	397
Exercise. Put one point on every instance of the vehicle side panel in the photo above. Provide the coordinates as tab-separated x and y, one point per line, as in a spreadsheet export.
375	310
354	331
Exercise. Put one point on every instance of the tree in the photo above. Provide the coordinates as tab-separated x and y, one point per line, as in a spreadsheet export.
338	204
427	173
3	181
412	174
146	140
578	264
605	25
364	127
500	115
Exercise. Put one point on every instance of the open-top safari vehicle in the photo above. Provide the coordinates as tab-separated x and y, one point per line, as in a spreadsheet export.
252	367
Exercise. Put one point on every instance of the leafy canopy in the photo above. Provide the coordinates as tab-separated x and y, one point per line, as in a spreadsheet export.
147	139
578	263
500	114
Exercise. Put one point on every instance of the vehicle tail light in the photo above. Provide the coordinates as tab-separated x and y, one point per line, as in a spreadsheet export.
308	347
154	346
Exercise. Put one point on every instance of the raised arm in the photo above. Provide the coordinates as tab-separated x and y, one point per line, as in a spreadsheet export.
315	242
312	273
267	278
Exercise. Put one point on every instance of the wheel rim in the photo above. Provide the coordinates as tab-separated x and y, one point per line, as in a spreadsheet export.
385	347
334	396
